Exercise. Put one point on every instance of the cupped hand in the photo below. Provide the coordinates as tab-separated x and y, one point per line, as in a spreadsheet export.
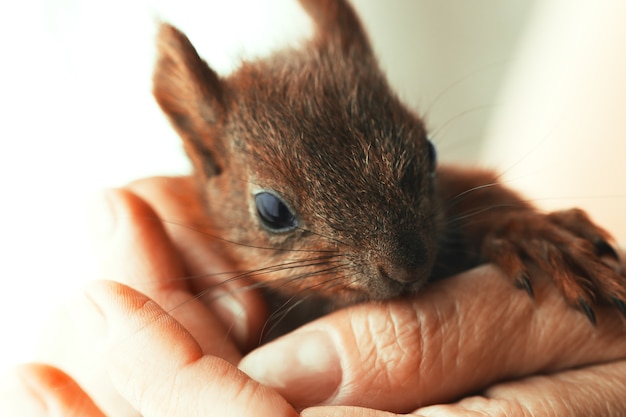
458	337
474	333
153	362
158	366
171	261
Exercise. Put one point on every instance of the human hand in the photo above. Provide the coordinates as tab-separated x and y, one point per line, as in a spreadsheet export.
457	338
437	328
171	266
441	315
142	335
154	363
134	246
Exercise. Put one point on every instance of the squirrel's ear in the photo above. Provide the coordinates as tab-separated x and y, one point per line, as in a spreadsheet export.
338	26
190	93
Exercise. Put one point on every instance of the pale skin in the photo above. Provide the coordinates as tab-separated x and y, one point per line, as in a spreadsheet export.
455	339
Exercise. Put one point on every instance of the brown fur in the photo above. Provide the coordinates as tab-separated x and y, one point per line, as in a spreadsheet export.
320	126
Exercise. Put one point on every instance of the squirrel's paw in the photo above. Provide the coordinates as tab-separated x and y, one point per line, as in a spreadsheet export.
569	247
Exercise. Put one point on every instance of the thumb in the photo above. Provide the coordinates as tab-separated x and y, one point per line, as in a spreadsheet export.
456	337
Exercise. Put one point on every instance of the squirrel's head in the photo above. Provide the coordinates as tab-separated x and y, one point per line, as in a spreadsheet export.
311	167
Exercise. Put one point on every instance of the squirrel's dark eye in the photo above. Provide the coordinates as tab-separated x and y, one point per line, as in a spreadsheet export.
432	157
274	213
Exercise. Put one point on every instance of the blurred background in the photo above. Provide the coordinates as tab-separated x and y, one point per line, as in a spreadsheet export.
76	111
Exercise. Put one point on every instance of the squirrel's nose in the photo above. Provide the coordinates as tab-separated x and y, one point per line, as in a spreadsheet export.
399	274
406	262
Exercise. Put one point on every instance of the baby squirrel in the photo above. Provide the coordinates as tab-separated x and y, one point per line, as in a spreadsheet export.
324	181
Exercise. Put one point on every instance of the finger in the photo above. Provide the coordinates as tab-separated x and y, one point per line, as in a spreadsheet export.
136	249
159	368
213	273
593	391
35	390
338	411
456	337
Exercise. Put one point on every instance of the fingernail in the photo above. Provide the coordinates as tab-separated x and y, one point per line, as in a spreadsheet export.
304	368
233	313
101	214
19	398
